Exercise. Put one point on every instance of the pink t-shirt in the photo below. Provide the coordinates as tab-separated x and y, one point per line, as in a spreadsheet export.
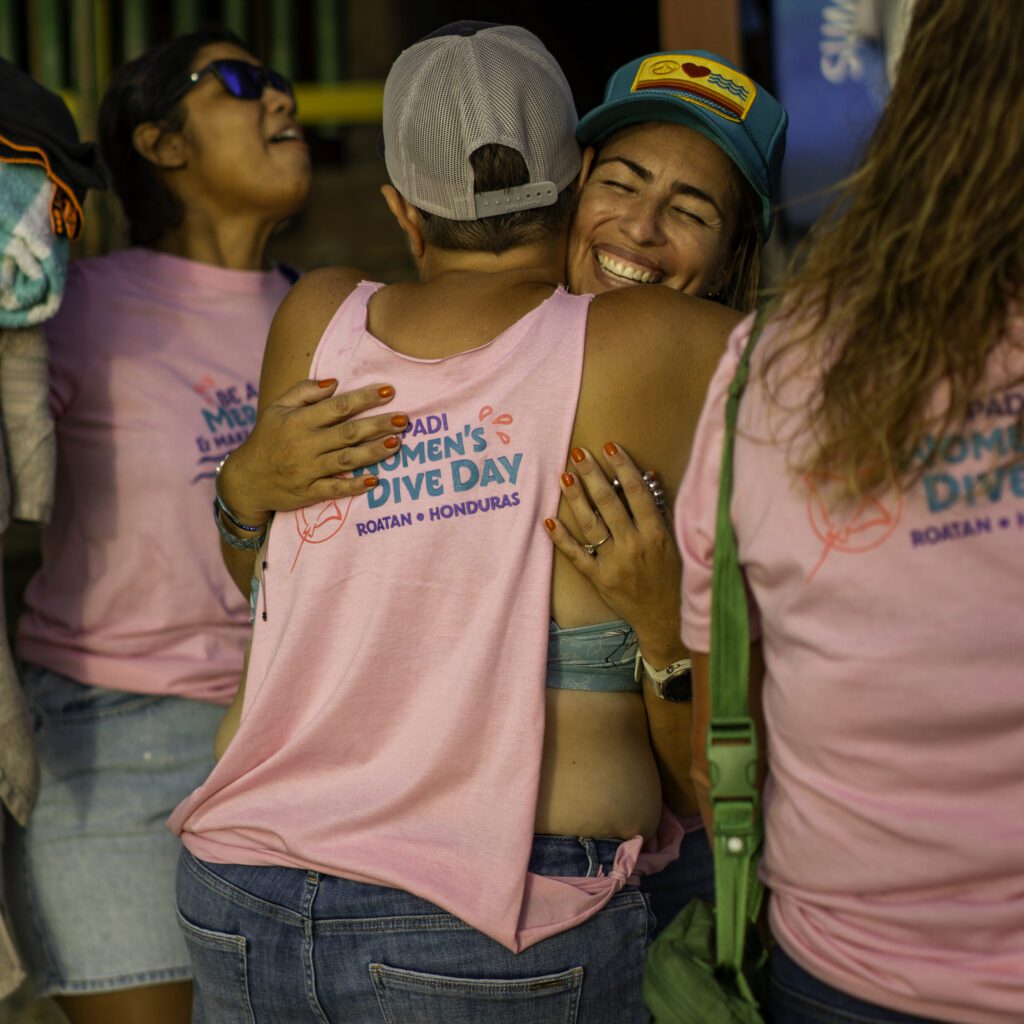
393	722
154	366
894	699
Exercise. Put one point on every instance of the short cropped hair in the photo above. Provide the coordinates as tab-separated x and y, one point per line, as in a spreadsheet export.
497	167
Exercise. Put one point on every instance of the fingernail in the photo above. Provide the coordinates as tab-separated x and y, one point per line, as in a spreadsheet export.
391	442
578	454
610	448
386	392
370	481
400	420
328	383
568	479
549	525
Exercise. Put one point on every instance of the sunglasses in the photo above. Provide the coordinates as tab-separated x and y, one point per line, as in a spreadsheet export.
241	79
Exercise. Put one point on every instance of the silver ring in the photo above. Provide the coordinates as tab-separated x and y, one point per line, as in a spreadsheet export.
653	485
591	549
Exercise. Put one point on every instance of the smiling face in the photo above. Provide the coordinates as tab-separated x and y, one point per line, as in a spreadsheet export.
658	205
240	155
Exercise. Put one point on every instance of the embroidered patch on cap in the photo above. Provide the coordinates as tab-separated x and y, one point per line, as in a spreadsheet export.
716	87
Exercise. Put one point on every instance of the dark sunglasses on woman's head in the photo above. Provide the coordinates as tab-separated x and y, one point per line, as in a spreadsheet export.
241	79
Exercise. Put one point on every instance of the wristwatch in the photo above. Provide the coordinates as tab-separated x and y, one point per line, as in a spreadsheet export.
673	683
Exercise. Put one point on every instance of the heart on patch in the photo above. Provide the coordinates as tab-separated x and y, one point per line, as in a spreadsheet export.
696	70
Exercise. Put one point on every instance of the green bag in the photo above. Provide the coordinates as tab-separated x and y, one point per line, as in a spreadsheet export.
709	966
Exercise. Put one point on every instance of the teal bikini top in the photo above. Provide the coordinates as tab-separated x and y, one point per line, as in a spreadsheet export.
598	657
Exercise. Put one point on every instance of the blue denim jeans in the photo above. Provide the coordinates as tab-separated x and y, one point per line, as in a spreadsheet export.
690	877
797	997
284	946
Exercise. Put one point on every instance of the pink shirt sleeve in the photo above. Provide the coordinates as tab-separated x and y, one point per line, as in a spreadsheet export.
697	502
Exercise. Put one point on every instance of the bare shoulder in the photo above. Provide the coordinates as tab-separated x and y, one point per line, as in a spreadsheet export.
674	311
650	355
314	299
299	323
664	330
663	316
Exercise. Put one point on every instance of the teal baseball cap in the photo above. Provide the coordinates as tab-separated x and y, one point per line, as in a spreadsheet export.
707	93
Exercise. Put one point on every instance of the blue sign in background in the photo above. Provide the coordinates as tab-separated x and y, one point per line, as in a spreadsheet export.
833	84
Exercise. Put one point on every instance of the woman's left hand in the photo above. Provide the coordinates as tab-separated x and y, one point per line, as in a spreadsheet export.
634	564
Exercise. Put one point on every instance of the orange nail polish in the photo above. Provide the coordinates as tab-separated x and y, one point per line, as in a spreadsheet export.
391	442
386	392
578	454
370	481
568	479
401	420
611	448
328	383
549	525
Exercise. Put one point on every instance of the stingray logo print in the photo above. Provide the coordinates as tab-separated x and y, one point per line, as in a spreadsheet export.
330	517
854	529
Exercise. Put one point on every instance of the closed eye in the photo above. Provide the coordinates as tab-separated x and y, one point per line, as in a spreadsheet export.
682	211
619	186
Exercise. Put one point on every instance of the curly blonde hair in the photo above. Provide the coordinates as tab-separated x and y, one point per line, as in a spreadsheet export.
903	292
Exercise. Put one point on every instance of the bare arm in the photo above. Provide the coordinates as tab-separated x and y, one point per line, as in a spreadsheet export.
306	432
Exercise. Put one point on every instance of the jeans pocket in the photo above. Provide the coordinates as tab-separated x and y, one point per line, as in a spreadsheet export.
221	993
410	997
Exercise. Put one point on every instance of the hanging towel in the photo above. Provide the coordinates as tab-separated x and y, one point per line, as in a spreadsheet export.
33	261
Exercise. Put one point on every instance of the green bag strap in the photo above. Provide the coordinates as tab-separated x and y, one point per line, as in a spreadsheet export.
732	740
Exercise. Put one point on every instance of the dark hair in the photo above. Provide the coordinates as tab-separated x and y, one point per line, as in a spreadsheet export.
743	266
149	89
496	167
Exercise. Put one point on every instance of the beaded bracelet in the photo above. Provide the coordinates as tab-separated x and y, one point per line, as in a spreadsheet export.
251	543
228	514
233	519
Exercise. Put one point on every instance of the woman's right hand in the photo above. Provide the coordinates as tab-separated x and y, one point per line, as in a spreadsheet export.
638	572
302	442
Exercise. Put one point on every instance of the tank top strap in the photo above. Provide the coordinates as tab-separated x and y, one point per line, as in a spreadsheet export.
348	323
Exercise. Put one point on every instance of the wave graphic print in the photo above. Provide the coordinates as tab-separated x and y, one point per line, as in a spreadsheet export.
724	83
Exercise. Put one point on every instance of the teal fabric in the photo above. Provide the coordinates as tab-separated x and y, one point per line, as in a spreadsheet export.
33	261
755	142
598	658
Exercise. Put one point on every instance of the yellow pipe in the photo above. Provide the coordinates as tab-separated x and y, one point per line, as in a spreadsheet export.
71	99
353	102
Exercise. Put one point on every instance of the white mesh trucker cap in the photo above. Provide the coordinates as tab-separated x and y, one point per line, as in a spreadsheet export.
469	85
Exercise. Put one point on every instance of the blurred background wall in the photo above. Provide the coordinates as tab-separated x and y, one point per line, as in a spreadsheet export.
825	59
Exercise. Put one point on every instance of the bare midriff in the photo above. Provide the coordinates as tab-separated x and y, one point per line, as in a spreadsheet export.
598	776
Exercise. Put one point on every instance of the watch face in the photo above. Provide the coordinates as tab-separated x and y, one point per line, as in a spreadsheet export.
678	688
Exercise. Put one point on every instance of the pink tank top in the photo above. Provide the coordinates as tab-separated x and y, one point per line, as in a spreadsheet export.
394	713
